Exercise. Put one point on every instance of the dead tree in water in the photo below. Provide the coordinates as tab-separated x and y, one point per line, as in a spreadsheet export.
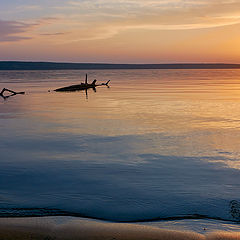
13	93
82	86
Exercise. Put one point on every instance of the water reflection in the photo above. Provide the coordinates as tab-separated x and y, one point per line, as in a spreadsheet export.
156	143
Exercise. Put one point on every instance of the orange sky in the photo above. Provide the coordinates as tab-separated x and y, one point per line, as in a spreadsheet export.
120	31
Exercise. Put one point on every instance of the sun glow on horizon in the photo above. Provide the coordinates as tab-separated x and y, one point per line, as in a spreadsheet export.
121	31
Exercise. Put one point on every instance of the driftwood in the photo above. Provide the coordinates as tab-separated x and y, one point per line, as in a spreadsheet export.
78	87
12	93
82	86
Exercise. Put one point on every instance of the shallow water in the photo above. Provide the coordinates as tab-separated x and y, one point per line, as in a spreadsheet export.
157	144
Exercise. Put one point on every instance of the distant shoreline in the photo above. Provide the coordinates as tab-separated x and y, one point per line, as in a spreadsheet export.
21	65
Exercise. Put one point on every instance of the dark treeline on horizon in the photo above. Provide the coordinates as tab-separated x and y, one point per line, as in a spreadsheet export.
19	65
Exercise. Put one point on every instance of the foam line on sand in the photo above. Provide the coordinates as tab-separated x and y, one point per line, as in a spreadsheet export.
52	229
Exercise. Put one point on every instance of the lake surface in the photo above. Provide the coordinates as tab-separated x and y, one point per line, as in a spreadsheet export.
157	144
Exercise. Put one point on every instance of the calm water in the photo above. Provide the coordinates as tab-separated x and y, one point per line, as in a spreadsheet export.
156	144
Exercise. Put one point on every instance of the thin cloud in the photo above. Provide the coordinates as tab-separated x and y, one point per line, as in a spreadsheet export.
17	30
53	34
29	7
12	30
101	19
157	12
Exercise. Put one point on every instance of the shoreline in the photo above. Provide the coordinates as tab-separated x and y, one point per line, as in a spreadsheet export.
79	228
28	65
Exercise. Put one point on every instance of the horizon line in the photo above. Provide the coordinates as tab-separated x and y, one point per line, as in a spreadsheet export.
165	63
34	65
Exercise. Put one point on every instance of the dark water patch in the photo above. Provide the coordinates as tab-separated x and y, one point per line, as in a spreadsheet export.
156	186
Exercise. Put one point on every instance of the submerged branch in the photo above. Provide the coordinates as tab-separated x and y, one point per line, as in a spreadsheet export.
13	93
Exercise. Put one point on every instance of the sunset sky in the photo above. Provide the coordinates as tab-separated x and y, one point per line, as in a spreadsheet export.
120	31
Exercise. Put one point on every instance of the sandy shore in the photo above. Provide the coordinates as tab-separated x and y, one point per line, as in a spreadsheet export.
53	228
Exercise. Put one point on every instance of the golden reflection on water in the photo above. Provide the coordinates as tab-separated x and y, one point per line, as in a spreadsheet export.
143	106
197	111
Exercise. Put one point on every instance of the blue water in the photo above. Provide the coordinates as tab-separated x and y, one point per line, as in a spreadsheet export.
157	144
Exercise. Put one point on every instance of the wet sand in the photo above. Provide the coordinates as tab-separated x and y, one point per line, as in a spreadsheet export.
64	228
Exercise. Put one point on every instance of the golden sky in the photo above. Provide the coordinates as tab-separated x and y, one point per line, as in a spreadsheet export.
121	31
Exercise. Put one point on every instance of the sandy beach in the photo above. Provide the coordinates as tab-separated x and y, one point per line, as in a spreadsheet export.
48	228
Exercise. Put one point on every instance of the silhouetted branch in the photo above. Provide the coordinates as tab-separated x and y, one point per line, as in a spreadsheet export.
82	86
13	93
